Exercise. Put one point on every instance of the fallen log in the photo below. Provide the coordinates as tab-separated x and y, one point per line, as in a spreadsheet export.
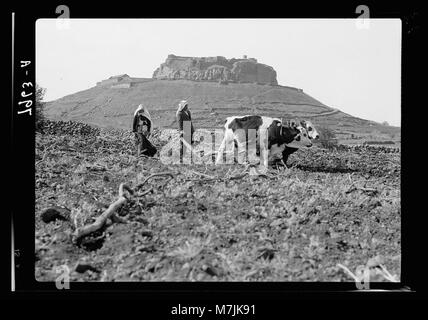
110	212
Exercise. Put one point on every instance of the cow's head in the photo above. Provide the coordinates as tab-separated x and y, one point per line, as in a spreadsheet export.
294	135
312	132
301	140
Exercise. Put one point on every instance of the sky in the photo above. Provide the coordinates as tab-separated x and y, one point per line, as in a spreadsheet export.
354	69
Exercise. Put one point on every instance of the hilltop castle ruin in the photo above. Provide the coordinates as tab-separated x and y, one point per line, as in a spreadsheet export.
216	69
219	69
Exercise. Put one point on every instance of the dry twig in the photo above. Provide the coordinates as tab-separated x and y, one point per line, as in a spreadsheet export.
362	189
200	174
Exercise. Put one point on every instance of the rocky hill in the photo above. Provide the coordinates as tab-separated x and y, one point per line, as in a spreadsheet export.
215	88
216	69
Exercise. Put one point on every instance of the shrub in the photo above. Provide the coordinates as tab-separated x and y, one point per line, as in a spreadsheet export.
327	138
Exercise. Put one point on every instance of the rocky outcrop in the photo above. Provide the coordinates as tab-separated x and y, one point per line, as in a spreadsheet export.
216	69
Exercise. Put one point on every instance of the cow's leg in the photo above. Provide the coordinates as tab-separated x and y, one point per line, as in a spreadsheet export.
241	145
228	138
285	157
286	154
284	160
220	151
242	150
283	163
264	152
252	147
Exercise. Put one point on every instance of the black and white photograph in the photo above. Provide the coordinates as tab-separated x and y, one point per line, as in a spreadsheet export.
218	150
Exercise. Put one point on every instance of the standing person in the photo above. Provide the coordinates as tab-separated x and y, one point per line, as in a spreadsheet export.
141	126
185	124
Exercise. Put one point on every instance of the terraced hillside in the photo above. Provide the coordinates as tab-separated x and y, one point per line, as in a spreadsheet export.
210	103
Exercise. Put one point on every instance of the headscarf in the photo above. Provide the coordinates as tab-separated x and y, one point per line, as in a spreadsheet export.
181	106
144	111
141	111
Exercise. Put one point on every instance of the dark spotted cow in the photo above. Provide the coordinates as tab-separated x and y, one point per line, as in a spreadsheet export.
274	136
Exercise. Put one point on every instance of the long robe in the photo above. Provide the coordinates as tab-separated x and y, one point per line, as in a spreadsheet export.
182	116
141	126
